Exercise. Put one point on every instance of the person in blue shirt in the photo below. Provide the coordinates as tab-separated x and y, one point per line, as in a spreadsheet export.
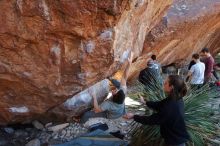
156	63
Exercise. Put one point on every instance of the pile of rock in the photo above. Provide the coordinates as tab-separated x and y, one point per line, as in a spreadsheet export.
61	133
65	132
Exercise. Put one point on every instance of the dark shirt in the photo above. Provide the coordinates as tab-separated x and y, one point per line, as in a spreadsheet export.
170	117
209	63
192	62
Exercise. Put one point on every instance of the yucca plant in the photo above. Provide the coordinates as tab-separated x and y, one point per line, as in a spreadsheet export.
217	58
199	122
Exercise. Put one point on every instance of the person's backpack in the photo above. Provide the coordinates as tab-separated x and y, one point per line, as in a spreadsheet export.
101	126
118	134
217	83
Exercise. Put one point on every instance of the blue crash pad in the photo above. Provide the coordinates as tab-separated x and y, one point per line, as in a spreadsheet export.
95	138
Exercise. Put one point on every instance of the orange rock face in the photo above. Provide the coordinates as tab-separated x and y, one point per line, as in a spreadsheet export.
51	50
188	26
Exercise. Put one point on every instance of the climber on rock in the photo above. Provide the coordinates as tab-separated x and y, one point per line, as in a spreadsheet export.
114	107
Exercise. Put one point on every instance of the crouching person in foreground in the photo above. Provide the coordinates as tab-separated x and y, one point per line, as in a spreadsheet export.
114	107
170	113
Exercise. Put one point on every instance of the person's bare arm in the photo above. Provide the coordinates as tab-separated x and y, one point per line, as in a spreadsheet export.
189	74
97	109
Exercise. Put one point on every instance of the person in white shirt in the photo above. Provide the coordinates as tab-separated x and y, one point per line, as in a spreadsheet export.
196	72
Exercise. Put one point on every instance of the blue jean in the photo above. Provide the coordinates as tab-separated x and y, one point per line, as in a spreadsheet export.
92	114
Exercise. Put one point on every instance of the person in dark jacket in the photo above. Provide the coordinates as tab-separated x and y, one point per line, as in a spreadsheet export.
150	76
192	62
170	113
